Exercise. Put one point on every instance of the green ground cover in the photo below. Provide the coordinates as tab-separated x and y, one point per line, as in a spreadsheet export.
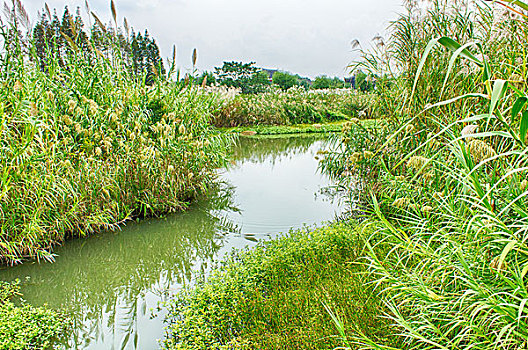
332	127
276	296
26	327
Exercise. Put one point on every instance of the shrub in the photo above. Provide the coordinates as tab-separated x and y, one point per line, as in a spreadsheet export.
26	327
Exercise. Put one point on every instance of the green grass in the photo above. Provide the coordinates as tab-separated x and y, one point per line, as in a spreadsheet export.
332	127
275	296
288	129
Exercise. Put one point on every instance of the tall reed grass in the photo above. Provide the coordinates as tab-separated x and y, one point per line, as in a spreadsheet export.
294	106
449	190
86	146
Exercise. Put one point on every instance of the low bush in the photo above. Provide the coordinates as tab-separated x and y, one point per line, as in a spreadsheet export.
26	327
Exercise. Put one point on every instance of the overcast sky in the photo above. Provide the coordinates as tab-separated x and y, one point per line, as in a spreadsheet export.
308	37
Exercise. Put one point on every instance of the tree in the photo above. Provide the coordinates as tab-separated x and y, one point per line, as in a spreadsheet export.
285	80
246	76
81	39
57	39
145	57
325	82
41	40
364	82
322	82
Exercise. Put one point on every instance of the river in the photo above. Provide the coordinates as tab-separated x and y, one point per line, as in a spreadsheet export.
112	285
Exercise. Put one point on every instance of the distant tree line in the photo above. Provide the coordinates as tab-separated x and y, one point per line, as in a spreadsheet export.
252	79
57	40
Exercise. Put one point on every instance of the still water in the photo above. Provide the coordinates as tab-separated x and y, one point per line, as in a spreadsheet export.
111	284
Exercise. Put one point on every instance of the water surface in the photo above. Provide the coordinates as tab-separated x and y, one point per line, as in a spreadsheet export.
111	284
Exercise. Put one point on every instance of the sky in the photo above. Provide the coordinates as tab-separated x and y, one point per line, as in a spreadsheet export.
306	37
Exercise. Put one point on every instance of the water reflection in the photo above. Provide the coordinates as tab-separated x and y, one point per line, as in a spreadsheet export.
274	148
108	284
105	282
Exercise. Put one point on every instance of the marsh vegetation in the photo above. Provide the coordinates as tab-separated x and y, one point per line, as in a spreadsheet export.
434	257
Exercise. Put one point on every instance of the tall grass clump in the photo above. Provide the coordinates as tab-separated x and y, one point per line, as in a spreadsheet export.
448	186
294	106
85	145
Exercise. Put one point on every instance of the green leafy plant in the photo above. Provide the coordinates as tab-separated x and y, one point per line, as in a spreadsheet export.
270	296
24	326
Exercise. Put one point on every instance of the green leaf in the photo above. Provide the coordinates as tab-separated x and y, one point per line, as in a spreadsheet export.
461	51
524	270
517	106
426	53
452	45
505	252
523	127
499	89
446	102
486	74
521	308
519	3
124	342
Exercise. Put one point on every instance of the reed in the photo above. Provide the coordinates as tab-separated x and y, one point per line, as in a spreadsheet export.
294	106
86	146
447	186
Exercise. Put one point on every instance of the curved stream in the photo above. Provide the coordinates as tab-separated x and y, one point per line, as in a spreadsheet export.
111	284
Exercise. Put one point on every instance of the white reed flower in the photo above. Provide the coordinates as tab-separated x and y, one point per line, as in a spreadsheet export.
418	163
181	129
33	109
18	86
401	202
470	129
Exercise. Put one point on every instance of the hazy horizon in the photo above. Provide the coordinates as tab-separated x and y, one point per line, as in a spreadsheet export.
308	38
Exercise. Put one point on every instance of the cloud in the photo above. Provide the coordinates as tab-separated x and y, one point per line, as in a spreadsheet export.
309	37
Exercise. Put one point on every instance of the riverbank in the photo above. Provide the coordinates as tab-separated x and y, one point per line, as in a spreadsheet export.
285	293
120	274
330	127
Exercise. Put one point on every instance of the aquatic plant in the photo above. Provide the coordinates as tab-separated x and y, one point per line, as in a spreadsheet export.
24	326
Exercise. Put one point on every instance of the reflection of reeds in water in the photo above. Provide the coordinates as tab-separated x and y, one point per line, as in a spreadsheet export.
118	269
260	149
